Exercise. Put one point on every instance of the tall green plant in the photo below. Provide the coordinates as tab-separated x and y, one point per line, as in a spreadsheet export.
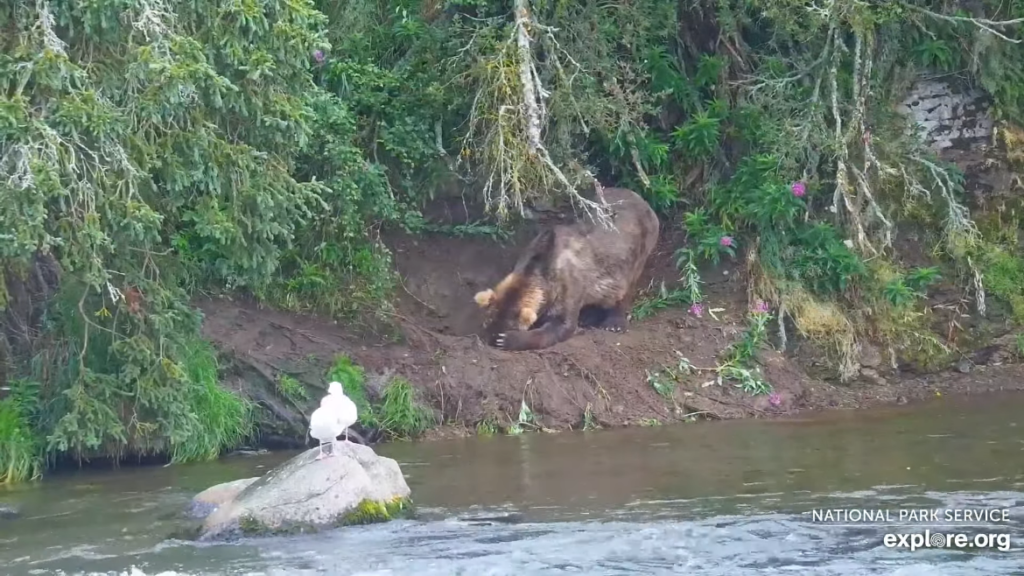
20	449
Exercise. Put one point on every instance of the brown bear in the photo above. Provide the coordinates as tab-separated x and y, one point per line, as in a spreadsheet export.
569	269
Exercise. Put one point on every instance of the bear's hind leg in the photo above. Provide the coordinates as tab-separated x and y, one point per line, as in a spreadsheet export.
559	328
593	316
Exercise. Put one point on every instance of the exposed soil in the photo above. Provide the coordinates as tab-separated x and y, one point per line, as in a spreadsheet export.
602	373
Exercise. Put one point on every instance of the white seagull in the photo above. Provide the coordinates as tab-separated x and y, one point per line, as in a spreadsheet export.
336	413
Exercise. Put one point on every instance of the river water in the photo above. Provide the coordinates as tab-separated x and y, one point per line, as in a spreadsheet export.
723	498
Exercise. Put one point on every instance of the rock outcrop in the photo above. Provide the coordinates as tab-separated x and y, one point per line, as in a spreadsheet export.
355	486
955	120
948	116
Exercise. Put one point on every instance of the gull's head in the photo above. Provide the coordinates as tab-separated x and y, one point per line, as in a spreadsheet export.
335	388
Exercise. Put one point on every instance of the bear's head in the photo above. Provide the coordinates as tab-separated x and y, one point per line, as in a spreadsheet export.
513	305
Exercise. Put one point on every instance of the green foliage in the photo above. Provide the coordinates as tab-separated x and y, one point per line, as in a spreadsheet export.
292	389
757	203
311	284
471	229
663	383
698	137
223	420
1004	274
20	450
159	149
527	421
904	290
821	261
712	241
740	355
105	392
486	427
175	408
791	247
999	65
665	298
821	166
399	415
755	335
687	262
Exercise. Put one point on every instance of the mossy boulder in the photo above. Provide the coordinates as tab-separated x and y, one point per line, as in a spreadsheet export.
355	486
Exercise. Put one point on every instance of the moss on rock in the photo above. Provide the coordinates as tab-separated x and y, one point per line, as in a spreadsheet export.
248	525
370	512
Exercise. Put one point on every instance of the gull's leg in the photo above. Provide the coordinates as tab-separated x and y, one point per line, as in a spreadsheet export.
321	456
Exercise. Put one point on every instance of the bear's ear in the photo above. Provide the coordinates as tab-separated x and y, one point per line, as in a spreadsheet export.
484	298
527	316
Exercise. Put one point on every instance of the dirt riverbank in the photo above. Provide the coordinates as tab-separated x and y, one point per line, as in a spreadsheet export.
597	376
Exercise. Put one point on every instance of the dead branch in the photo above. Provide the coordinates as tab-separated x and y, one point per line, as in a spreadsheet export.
982	23
844	191
507	120
414	297
534	94
862	84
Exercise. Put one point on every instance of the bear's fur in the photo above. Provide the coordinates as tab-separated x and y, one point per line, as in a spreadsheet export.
569	269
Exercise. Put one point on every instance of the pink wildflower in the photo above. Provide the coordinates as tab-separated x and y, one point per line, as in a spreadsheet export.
726	241
697	310
799	189
760	308
318	55
774	399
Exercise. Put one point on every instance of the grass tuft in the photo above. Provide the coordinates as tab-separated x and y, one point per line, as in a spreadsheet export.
824	322
227	420
399	415
20	452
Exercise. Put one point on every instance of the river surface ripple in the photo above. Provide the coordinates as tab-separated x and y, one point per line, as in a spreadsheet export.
723	498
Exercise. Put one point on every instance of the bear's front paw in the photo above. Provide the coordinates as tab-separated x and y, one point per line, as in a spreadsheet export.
510	341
